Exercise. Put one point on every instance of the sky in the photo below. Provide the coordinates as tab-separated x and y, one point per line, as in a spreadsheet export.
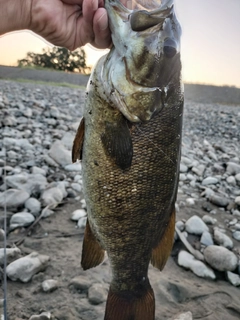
210	44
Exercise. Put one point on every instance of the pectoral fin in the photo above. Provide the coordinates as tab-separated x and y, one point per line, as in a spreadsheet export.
78	142
161	252
92	252
117	143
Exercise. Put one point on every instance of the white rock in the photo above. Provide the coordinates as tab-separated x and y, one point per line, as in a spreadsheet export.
97	293
49	285
231	180
67	140
78	214
237	178
236	235
206	239
34	206
190	201
52	196
220	258
13	198
24	268
183	168
222	239
82	222
21	219
184	316
10	253
195	225
29	182
233	278
209	220
60	154
233	168
76	186
180	225
188	261
209	180
42	316
74	167
236	213
46	212
50	161
237	200
37	170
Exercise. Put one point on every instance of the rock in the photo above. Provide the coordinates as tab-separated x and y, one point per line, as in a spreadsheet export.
77	214
82	222
180	225
67	140
233	168
37	170
81	283
97	293
236	213
76	187
219	201
195	225
31	183
46	212
21	219
34	206
209	220
220	258
50	161
75	167
52	196
184	316
11	253
59	154
222	239
209	180
231	180
233	278
42	316
24	268
49	285
183	168
236	235
199	170
188	261
190	201
13	198
237	200
206	239
237	178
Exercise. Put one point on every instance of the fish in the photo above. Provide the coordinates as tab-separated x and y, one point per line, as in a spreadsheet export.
129	142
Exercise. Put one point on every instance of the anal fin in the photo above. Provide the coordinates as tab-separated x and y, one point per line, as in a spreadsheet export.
92	252
78	142
161	252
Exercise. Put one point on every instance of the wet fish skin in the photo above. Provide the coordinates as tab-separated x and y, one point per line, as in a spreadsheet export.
130	143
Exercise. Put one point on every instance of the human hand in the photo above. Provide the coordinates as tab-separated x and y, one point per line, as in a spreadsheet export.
71	23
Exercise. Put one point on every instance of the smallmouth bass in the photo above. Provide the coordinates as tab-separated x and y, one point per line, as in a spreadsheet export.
129	142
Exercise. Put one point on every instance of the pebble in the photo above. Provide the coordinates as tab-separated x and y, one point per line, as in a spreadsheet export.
237	200
188	261
236	235
11	253
81	283
195	225
180	225
206	239
209	180
97	293
34	206
13	198
209	220
24	268
75	167
49	285
222	239
82	223
78	214
52	196
233	278
233	168
21	219
184	316
220	258
60	154
42	316
219	201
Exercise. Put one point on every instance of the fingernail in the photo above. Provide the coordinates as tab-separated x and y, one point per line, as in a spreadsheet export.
103	22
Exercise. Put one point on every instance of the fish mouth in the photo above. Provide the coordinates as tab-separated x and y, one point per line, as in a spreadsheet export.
142	14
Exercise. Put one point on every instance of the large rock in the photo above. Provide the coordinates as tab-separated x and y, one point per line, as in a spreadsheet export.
195	225
188	261
220	258
24	268
31	183
21	219
13	198
34	206
222	239
60	154
219	200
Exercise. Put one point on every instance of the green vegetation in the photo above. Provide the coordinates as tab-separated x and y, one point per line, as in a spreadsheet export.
57	59
48	83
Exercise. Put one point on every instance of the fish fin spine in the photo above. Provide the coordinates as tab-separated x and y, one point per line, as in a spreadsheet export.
92	252
78	142
161	252
130	306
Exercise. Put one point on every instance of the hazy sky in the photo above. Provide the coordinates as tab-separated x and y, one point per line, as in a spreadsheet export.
210	42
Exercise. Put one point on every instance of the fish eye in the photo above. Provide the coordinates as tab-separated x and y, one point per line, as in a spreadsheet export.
170	48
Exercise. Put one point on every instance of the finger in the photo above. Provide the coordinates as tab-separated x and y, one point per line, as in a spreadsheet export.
101	30
89	7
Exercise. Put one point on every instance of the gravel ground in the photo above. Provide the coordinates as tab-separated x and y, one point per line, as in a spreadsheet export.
46	118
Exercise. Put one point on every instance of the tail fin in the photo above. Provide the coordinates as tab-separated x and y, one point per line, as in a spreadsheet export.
130	306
